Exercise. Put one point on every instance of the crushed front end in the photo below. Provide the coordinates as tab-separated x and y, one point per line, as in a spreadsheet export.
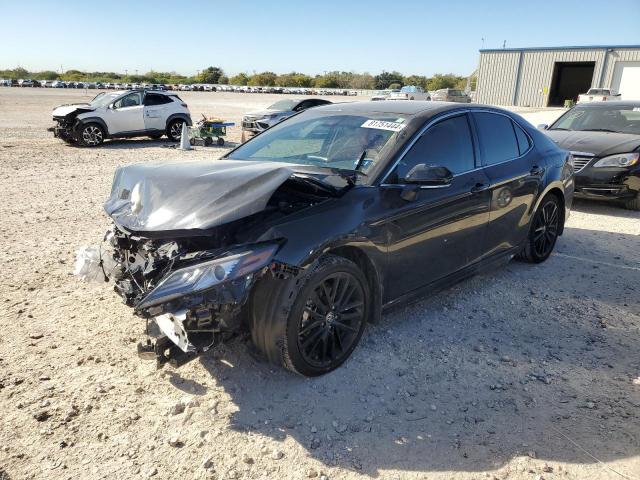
194	297
66	121
188	242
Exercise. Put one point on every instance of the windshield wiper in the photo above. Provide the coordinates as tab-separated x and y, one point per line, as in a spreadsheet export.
597	130
560	128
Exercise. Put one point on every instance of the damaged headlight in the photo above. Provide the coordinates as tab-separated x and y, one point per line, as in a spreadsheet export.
205	275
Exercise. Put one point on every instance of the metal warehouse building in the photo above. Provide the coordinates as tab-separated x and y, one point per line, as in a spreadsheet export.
541	77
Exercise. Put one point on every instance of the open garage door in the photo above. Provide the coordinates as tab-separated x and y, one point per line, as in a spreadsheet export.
570	79
626	80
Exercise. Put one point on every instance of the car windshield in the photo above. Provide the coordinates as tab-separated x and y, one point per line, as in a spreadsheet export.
103	99
409	89
284	105
335	141
622	119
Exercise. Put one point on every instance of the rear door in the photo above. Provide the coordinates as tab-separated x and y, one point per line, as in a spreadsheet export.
515	175
442	229
156	110
126	114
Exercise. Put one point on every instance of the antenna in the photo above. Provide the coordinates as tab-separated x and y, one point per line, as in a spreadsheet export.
504	44
482	42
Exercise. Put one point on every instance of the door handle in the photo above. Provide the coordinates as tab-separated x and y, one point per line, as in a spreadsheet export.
537	171
480	187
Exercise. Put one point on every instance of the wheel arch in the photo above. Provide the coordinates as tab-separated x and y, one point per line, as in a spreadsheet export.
368	267
85	121
555	189
174	116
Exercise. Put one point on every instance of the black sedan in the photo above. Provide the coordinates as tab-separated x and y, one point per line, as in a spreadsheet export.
604	138
310	230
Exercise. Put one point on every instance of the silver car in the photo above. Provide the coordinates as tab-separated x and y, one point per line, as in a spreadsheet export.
450	95
256	122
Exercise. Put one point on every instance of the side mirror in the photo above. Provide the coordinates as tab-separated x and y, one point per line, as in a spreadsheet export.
433	175
542	126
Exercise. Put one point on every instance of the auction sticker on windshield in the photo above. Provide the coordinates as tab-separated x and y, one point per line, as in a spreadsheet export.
382	125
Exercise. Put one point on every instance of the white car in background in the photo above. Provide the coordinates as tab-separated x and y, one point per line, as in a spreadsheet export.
598	95
410	92
121	114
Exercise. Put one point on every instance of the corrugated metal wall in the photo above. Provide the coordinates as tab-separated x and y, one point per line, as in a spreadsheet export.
498	73
497	78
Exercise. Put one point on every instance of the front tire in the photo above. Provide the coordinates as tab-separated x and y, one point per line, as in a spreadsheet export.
633	203
545	228
174	129
91	135
311	323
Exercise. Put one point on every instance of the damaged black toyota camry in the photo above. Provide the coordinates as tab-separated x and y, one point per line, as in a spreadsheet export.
307	232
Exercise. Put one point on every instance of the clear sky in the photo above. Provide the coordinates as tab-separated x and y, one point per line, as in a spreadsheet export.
413	37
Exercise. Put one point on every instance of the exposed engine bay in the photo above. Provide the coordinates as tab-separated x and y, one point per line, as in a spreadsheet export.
192	278
66	118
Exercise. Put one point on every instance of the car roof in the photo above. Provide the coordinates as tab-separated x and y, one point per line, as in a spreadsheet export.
614	103
400	107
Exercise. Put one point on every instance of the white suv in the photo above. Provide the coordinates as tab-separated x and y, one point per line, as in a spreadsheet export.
132	113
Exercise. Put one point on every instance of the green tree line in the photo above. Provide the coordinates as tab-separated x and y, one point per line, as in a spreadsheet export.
215	75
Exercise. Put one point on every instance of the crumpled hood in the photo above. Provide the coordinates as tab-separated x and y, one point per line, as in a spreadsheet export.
64	110
154	197
598	143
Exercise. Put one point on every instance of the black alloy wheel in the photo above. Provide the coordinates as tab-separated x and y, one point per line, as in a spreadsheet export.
331	320
545	228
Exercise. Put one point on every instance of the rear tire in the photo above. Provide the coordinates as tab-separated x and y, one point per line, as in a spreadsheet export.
91	135
545	228
174	129
311	323
220	141
634	203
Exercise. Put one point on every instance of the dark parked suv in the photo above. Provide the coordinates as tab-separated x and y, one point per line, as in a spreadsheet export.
308	231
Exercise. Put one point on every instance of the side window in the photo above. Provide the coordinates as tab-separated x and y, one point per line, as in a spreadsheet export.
151	99
498	141
523	139
446	144
131	100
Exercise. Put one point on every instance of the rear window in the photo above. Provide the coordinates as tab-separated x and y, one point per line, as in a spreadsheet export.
155	99
523	139
498	141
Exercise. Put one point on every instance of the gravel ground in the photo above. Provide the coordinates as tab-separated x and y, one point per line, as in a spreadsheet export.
524	372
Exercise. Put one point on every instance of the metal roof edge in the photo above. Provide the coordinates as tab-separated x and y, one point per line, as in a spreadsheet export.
577	47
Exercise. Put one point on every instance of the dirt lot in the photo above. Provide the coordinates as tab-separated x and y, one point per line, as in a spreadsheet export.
526	372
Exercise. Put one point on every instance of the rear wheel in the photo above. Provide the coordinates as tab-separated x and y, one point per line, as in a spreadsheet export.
174	129
311	324
634	203
220	141
545	228
91	135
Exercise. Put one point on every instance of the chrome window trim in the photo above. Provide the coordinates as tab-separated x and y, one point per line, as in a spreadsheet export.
456	113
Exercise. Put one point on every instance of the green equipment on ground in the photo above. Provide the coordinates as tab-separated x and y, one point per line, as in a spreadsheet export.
208	128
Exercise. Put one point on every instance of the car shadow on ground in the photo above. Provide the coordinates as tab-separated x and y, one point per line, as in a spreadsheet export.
603	207
470	378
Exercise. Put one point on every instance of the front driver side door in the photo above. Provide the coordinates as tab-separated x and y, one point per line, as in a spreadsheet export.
125	114
442	229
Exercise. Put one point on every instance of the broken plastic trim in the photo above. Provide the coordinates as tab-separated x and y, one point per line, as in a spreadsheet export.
205	275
